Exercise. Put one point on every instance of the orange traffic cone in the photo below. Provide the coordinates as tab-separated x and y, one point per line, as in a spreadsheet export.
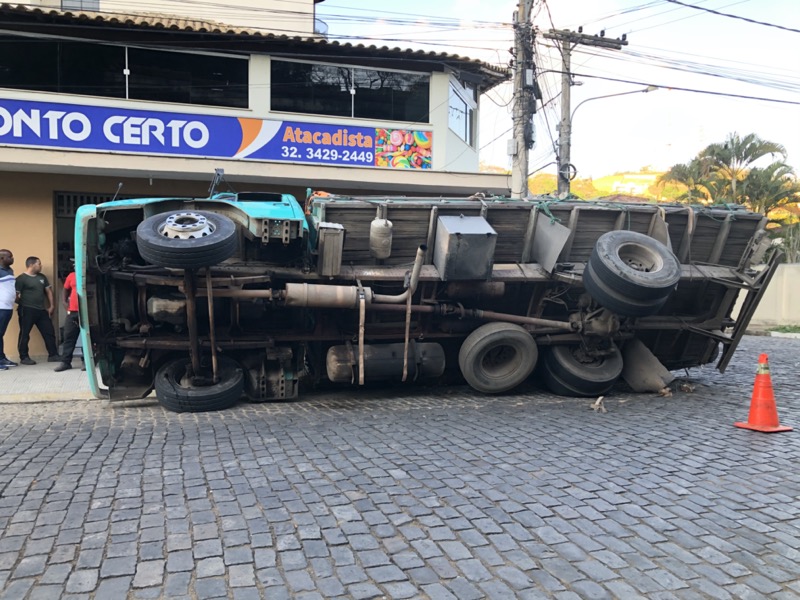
763	413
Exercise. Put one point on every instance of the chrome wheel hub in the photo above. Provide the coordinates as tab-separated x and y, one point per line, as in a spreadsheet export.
185	226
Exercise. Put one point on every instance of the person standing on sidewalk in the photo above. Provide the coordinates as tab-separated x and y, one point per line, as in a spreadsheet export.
72	328
8	295
36	306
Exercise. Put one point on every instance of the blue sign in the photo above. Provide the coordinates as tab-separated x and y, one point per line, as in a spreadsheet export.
98	128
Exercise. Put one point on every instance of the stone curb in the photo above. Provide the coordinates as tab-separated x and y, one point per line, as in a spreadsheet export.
782	334
42	397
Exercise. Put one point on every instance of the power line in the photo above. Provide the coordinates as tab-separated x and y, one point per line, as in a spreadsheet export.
709	70
371	10
663	12
684	18
730	16
753	74
683	89
760	67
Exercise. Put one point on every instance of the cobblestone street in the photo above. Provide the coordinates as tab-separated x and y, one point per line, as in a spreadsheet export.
409	493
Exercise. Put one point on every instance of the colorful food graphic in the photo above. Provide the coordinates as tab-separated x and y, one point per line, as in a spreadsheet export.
403	148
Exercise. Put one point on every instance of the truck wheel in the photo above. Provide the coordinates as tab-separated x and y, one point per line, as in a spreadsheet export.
497	357
569	371
179	398
615	301
635	265
186	240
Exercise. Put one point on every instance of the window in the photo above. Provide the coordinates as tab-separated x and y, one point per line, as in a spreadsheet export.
187	78
462	111
48	65
321	89
92	5
88	69
28	64
91	69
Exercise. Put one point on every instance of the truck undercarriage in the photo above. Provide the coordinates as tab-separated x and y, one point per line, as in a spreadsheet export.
209	300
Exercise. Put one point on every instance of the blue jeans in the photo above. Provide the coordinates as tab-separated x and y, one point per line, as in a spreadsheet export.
5	319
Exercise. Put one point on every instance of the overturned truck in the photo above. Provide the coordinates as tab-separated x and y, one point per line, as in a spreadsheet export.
252	295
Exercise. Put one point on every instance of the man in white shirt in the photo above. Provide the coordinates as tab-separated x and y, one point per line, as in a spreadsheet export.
7	296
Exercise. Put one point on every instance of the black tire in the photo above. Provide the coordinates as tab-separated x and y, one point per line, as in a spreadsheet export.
569	372
616	302
497	357
556	385
216	242
635	265
177	398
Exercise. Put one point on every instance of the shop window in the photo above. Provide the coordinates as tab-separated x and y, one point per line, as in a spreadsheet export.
340	91
28	64
185	78
311	89
90	69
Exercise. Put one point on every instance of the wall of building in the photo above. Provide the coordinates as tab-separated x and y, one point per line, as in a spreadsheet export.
779	306
273	16
27	228
451	153
294	18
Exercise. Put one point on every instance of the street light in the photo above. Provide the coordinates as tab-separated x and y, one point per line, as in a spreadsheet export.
649	88
567	171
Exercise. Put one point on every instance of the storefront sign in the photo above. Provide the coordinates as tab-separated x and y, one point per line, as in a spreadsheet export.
97	128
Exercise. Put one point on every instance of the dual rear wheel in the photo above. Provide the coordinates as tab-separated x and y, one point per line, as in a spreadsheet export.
498	357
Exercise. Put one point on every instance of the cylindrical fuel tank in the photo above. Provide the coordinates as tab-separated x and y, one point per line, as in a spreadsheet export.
380	238
384	362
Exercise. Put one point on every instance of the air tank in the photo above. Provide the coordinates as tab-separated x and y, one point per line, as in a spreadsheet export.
380	238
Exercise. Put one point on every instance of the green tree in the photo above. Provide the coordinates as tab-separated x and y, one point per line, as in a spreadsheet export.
770	188
731	160
696	176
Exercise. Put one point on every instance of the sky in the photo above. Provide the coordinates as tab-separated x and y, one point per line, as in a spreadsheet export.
669	46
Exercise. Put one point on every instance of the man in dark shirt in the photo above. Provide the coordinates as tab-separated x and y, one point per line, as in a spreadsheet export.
36	305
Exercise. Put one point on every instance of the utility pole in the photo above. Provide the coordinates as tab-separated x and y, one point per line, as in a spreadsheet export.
566	41
525	94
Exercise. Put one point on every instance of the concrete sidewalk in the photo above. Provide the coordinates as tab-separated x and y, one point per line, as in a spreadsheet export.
39	383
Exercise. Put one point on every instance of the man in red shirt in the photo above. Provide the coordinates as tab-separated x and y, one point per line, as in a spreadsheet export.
72	327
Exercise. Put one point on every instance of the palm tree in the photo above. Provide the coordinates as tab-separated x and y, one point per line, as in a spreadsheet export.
732	159
694	175
771	187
